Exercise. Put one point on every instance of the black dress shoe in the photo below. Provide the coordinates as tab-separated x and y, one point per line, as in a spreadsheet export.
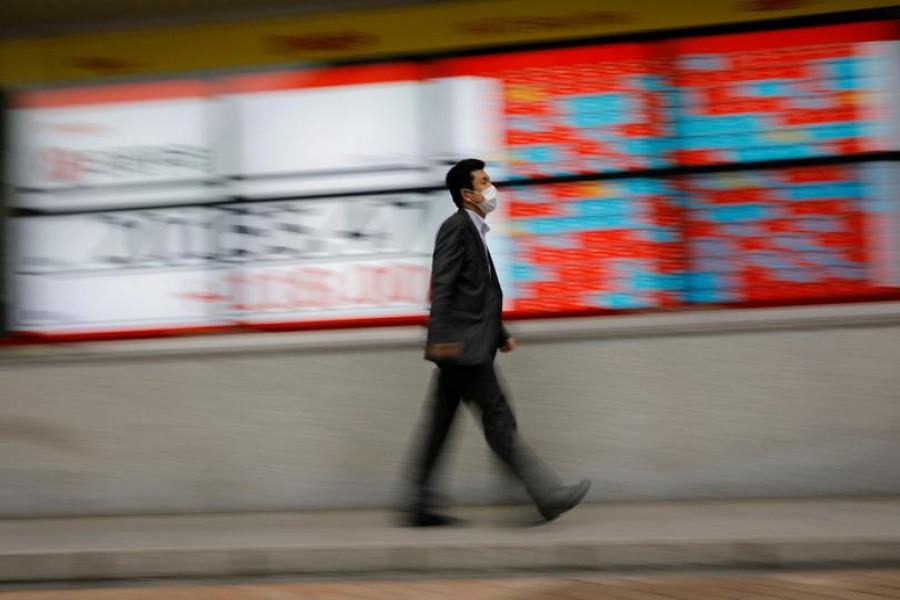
565	499
428	519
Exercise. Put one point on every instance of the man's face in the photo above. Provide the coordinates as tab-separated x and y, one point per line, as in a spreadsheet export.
480	181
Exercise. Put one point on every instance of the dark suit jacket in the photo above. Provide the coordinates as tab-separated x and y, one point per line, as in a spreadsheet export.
466	299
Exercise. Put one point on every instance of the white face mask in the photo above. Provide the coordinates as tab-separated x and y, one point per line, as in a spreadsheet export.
490	199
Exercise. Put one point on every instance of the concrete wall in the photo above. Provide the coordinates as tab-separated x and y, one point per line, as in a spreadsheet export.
777	402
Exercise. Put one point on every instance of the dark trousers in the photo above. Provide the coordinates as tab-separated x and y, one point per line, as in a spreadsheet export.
477	385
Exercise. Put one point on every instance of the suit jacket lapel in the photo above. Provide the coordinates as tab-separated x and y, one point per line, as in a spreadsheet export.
476	239
493	269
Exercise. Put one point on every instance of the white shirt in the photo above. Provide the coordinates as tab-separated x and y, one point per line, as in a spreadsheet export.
482	228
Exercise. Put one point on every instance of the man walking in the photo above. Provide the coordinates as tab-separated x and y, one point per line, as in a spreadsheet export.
464	333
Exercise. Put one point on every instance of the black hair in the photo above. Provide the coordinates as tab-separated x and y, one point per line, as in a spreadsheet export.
459	178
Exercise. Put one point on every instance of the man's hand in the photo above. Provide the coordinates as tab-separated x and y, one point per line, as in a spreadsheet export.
443	351
509	345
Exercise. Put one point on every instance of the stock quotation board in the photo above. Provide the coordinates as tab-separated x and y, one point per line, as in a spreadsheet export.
312	197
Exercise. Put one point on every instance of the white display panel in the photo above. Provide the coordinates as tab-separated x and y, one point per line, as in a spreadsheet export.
465	121
109	155
114	269
328	139
333	259
109	271
361	289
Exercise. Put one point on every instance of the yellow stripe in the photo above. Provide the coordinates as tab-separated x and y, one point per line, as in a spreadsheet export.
372	33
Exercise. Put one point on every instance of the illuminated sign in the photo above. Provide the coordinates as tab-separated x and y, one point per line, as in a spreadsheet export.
311	197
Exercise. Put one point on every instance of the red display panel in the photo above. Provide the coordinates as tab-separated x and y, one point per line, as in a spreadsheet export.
575	111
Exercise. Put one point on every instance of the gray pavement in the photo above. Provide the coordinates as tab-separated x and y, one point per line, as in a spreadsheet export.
761	534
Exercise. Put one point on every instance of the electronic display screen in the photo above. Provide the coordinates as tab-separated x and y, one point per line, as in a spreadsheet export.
312	196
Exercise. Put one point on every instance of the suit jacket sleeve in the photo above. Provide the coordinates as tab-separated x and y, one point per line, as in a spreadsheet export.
445	267
504	333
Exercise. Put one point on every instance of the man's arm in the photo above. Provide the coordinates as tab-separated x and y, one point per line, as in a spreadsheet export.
446	264
509	342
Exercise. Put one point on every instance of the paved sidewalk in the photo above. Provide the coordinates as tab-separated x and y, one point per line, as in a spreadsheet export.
598	537
837	585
